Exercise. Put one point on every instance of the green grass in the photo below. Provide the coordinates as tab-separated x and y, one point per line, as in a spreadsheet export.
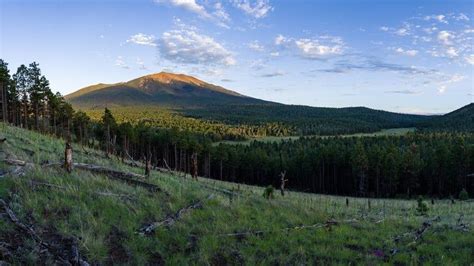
108	223
383	132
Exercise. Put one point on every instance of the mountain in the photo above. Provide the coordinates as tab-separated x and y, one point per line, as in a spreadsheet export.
461	119
195	98
164	89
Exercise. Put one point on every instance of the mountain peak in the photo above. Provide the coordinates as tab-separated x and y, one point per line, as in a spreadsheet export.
168	77
163	88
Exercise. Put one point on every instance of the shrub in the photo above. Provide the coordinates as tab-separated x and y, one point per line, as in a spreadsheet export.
268	192
463	195
422	208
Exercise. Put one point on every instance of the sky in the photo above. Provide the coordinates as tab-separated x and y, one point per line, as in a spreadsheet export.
404	56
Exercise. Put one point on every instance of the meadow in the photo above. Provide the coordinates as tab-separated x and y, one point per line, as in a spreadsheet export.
383	132
212	222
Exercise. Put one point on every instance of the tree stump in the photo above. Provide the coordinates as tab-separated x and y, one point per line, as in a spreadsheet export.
68	157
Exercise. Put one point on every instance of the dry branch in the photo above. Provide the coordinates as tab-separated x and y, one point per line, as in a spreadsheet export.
171	219
15	162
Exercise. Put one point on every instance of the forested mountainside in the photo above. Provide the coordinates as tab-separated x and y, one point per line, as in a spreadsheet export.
306	120
461	119
194	98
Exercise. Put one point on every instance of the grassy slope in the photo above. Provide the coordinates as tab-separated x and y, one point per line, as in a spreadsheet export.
106	226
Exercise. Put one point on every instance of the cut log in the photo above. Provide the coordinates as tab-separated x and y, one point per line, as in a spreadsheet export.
171	219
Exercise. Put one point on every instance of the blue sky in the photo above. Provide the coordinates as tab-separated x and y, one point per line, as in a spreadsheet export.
403	56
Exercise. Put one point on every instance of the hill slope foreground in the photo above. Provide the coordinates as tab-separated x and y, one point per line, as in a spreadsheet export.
50	216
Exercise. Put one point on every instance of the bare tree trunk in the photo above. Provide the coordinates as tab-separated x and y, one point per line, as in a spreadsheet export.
220	170
148	163
283	182
68	157
194	165
175	157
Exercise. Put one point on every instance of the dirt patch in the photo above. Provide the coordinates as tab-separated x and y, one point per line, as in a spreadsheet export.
231	258
118	253
59	213
156	259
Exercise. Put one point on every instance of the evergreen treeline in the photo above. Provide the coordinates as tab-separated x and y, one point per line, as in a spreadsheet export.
31	104
306	120
439	164
166	118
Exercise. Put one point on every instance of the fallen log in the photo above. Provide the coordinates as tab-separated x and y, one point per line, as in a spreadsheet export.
220	190
171	219
127	177
328	224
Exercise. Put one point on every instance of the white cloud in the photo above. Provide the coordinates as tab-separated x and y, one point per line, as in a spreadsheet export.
462	16
445	37
220	12
469	59
256	46
406	52
121	63
384	28
439	18
219	15
143	39
257	9
318	48
275	54
402	32
257	64
189	5
280	39
188	46
451	52
141	64
448	81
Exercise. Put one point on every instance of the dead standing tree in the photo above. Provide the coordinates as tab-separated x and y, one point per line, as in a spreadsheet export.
68	157
148	163
194	165
283	182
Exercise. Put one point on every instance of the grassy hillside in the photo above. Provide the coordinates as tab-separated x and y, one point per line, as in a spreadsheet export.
104	216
